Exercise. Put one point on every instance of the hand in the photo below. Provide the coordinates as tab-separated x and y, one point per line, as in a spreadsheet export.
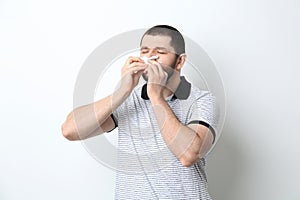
131	73
157	80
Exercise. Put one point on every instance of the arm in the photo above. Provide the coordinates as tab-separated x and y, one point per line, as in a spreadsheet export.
93	119
187	142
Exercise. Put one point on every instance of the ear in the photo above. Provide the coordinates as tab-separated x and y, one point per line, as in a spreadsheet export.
180	61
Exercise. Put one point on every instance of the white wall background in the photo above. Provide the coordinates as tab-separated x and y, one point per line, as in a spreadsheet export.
255	45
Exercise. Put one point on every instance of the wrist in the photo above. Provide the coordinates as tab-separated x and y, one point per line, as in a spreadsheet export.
119	96
157	100
124	91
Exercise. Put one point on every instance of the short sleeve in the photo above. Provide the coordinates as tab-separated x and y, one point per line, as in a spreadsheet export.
203	111
114	116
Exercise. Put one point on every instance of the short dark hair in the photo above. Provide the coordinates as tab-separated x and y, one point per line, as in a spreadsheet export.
177	40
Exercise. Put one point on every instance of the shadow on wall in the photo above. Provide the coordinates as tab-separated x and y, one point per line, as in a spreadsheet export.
223	166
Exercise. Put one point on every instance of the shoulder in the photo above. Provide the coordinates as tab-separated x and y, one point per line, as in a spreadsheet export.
199	94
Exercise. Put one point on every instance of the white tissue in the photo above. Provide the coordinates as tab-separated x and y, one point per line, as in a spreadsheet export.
145	58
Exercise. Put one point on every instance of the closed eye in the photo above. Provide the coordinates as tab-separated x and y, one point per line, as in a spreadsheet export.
144	51
161	52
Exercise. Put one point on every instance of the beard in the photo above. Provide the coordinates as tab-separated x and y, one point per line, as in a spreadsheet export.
169	69
169	72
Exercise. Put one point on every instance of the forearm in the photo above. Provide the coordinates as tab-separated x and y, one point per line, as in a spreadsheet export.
85	120
93	119
183	141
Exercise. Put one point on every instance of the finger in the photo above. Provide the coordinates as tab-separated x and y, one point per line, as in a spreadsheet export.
135	64
160	69
149	71
128	67
136	69
158	66
132	59
138	73
154	69
139	67
128	61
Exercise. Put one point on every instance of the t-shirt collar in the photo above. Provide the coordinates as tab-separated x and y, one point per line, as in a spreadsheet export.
182	92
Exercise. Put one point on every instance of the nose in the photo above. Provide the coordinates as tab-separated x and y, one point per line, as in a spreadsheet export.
152	52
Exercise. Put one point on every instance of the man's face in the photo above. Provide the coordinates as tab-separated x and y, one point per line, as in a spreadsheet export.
159	45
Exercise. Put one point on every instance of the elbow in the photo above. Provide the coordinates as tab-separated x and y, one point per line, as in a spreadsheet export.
68	132
189	159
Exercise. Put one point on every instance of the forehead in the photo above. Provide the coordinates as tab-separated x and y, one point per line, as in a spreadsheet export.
154	41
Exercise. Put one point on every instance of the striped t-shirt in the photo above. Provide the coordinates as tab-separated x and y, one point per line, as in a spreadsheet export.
147	169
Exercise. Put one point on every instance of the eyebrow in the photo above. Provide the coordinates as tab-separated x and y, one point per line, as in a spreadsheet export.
159	48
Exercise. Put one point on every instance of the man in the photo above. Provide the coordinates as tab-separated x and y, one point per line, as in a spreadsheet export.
166	127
